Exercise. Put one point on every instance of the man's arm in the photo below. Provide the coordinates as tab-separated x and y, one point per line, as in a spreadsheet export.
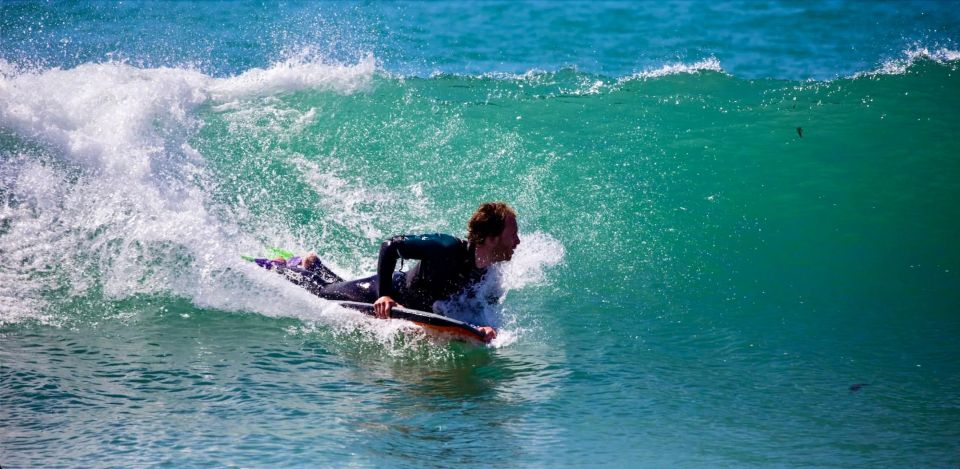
408	247
386	264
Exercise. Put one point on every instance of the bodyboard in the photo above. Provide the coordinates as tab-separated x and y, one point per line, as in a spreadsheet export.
430	321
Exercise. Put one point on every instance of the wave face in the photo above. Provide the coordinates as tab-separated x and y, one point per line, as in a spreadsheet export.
713	252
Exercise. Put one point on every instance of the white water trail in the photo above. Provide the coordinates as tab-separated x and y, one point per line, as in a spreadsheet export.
102	188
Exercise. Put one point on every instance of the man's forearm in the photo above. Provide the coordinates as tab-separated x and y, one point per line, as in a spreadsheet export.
386	264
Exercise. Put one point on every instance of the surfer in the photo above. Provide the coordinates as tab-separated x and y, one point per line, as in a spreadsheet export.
448	265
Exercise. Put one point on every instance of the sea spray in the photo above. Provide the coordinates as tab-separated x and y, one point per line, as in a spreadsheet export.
122	201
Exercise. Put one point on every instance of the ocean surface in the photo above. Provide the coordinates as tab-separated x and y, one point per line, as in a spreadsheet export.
739	232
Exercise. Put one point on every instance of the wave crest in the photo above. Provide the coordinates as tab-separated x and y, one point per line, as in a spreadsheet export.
296	74
710	64
911	57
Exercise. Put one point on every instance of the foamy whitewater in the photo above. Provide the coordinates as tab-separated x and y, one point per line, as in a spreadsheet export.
737	241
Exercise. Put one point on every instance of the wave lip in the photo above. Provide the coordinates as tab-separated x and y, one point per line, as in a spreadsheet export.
586	83
102	114
295	74
569	81
910	57
710	64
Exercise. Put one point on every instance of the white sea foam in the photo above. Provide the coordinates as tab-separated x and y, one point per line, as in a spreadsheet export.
295	74
900	65
7	68
125	200
710	64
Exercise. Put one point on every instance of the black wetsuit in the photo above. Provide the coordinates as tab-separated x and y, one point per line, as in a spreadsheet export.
447	266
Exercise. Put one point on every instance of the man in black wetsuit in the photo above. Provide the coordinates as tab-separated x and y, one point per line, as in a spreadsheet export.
447	266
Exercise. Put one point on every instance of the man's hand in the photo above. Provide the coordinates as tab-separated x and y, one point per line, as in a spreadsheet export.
383	305
488	332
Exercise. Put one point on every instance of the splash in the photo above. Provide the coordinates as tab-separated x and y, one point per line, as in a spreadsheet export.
484	304
536	254
102	190
357	206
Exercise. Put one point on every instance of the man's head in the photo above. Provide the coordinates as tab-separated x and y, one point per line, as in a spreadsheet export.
494	227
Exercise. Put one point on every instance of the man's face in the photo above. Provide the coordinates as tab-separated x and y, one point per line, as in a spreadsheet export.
507	242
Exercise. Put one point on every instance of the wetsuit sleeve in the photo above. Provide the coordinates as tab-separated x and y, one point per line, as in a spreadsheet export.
407	247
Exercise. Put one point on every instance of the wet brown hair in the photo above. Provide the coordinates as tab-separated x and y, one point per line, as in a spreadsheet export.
488	220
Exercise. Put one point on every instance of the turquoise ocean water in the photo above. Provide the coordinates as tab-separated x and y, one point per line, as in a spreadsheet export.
731	214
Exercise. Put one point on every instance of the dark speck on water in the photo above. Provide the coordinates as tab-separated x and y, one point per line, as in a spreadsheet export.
856	387
800	131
